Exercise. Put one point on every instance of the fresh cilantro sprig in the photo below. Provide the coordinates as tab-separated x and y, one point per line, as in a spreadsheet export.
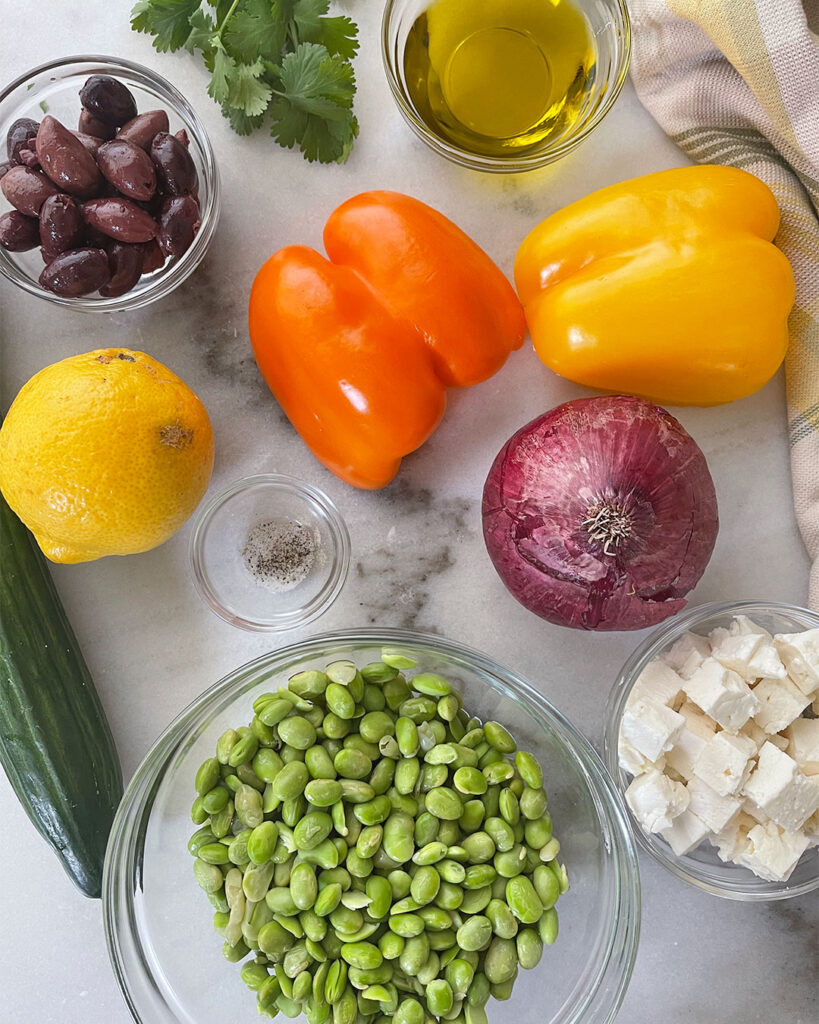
282	60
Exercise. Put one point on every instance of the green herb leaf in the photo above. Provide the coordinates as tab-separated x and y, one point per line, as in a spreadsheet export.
255	30
247	92
240	122
312	109
285	56
224	69
167	20
338	35
201	34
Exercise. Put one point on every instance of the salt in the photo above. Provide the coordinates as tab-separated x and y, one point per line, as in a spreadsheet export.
280	553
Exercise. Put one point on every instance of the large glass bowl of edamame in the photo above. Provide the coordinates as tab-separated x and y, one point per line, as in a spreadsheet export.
163	948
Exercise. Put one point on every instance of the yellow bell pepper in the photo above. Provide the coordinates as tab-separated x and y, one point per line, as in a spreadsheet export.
667	287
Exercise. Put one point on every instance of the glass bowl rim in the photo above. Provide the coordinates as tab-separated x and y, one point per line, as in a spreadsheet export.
656	641
339	553
504	165
187	264
120	861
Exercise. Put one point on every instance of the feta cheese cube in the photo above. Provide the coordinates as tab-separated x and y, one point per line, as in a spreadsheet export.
800	654
733	839
650	727
656	800
713	810
772	852
687	653
779	788
751	809
750	656
633	762
781	702
724	763
766	663
697	731
811	829
742	624
684	833
722	694
803	744
658	682
717	635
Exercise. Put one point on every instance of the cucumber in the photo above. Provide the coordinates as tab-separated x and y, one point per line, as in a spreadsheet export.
55	743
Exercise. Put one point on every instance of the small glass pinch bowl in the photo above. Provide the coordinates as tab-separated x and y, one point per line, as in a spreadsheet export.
610	31
54	88
701	867
158	924
220	538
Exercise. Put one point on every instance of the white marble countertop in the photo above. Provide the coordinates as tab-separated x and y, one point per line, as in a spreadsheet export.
418	556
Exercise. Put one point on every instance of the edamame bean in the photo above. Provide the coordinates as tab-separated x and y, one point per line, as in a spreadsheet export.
529	947
303	886
475	933
363	955
547	926
323	792
439	997
425	885
498	737
533	803
504	924
262	842
444	803
340	701
523	900
501	961
546	885
410	1011
290	781
216	800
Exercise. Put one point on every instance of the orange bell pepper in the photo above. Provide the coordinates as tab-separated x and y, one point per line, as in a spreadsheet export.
359	349
666	287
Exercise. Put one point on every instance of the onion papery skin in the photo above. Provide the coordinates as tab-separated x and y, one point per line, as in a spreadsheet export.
544	494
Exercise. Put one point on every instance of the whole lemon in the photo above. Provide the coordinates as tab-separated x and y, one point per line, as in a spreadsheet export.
106	453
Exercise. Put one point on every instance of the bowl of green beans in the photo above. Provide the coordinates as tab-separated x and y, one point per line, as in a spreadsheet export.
372	827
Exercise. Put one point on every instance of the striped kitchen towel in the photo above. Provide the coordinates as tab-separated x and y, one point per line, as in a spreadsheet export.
737	82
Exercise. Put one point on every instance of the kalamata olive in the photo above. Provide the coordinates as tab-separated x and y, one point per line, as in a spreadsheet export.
108	100
91	142
61	225
141	129
18	233
76	272
90	125
27	156
21	132
178	224
153	257
175	170
65	160
125	265
128	168
182	136
120	219
5	165
26	190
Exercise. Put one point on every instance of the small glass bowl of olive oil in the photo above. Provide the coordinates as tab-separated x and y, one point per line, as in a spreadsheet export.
505	85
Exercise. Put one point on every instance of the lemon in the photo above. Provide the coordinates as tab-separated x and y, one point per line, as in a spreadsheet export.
105	453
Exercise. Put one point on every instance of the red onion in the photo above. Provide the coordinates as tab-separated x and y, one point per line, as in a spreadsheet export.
601	514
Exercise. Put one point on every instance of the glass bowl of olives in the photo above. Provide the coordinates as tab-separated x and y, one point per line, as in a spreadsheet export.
109	192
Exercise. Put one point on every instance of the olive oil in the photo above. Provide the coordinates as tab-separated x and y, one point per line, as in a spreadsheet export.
498	77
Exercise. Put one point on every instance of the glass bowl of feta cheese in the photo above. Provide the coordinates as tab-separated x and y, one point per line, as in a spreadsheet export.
712	736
